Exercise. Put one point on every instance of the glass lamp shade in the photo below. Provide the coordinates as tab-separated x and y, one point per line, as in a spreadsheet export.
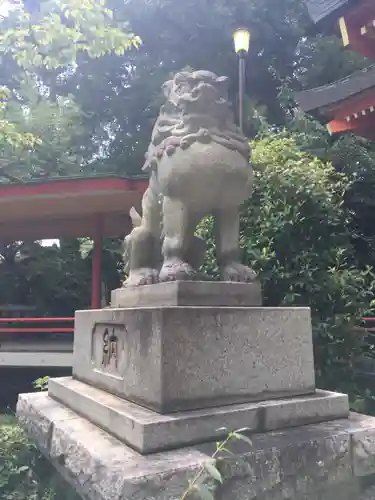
241	38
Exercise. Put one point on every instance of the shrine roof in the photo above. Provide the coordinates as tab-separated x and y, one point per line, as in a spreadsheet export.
69	207
326	10
353	85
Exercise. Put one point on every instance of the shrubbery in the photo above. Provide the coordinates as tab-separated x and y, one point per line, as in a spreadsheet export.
295	233
24	473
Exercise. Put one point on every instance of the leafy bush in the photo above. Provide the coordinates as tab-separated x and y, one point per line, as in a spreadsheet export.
24	473
295	233
17	457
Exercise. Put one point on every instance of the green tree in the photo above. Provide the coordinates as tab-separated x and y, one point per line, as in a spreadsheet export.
355	157
321	60
120	96
13	141
56	280
52	33
54	129
295	232
36	127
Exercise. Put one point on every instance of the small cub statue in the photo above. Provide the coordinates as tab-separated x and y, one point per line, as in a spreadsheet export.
198	162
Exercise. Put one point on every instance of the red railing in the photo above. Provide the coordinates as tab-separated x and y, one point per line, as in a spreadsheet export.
71	329
16	329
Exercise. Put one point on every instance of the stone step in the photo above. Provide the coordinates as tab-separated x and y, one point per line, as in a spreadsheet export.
147	431
36	359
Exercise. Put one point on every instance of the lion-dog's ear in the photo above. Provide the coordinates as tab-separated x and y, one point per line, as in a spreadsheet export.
222	80
167	87
135	217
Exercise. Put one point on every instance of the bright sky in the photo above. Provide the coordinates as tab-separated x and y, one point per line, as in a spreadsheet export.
50	243
4	7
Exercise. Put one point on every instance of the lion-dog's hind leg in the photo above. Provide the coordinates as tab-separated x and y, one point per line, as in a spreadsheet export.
145	241
227	247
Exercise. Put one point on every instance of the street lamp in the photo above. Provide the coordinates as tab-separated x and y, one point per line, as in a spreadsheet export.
241	39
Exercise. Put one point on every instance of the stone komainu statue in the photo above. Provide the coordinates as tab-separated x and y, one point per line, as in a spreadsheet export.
198	162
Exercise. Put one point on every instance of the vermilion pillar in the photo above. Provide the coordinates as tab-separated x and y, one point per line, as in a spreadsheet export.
96	286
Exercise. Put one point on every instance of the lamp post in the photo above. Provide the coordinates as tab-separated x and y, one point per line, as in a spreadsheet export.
241	39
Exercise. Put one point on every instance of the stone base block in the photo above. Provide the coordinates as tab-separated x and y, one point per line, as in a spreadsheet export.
147	431
189	293
313	462
179	358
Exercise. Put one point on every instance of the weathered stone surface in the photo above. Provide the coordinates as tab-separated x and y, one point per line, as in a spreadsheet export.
97	465
364	452
44	411
199	165
147	431
189	293
367	494
309	462
171	359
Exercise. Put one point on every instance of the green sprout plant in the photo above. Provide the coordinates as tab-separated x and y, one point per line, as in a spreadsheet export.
209	471
41	383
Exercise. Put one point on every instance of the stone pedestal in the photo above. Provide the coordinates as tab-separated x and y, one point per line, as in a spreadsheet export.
176	358
325	461
155	386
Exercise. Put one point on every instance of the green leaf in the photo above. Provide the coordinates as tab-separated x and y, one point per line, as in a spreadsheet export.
222	429
241	437
213	472
23	468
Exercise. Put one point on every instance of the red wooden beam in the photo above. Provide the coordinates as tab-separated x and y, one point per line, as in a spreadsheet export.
36	330
363	125
33	320
58	187
351	106
96	282
114	225
337	126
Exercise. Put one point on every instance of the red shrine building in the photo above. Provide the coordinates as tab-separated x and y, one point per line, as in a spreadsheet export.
347	105
96	207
